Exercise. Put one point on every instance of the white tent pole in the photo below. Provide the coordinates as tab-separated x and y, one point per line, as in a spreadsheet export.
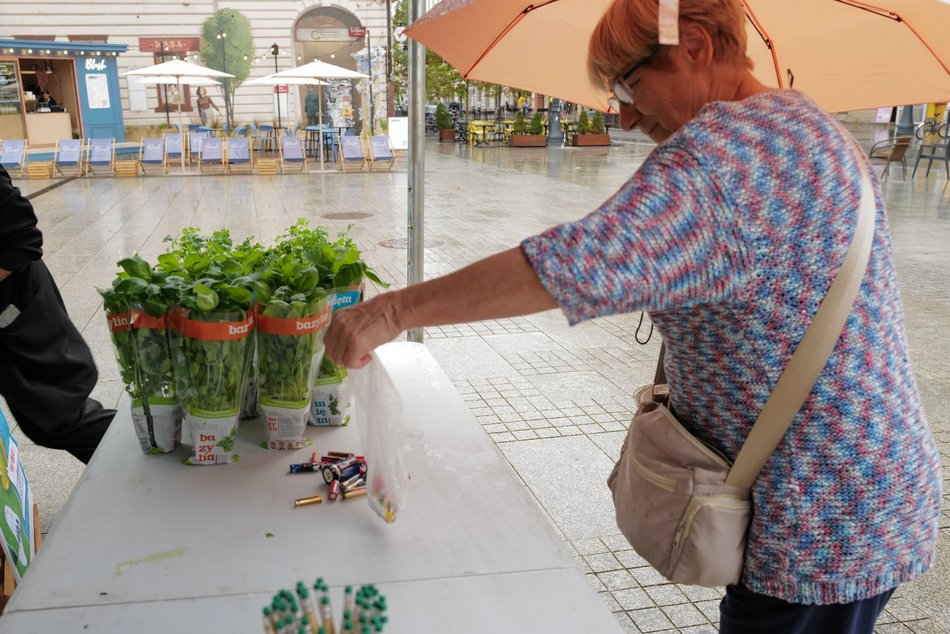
181	129
320	131
416	163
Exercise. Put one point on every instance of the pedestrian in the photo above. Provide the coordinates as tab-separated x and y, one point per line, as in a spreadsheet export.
47	372
205	104
729	235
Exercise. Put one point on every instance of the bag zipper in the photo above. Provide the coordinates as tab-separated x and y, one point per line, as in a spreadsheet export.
694	506
667	484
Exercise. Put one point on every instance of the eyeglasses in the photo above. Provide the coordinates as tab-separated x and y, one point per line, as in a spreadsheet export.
622	92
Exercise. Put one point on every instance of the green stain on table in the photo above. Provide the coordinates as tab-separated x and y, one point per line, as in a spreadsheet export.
151	559
268	534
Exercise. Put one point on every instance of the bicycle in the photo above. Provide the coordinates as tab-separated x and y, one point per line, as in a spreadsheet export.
930	127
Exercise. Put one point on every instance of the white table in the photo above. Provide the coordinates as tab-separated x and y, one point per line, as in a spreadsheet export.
146	544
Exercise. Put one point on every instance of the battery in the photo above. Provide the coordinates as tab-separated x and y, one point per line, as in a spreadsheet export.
334	490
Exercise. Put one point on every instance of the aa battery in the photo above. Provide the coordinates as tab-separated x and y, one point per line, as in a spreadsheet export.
316	499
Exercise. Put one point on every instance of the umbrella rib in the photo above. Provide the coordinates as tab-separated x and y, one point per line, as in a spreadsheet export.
510	26
765	38
891	15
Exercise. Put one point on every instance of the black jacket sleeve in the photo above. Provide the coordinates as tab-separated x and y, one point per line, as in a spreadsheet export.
20	239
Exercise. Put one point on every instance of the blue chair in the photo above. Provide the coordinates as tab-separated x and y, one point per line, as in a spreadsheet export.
331	142
152	154
239	154
194	127
241	130
173	149
211	153
266	138
291	152
194	141
68	157
13	155
100	154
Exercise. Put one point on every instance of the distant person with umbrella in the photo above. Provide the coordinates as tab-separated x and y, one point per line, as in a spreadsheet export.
729	235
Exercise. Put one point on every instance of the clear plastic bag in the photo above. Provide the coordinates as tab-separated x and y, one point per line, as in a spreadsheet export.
383	436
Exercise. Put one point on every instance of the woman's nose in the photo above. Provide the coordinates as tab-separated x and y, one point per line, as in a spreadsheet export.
629	117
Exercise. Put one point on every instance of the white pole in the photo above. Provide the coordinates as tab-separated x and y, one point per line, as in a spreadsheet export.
416	163
320	131
181	129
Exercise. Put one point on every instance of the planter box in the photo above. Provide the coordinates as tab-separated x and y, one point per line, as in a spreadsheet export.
447	135
528	140
582	140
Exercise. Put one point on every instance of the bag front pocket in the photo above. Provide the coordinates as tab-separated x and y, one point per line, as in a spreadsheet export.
709	543
667	484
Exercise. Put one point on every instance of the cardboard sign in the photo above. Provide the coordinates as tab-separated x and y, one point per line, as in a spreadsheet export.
399	133
100	152
69	151
352	148
379	145
152	150
16	498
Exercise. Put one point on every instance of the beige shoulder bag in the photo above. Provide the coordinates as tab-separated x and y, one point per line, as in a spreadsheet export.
678	502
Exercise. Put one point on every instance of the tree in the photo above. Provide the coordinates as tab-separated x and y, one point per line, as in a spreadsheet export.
232	53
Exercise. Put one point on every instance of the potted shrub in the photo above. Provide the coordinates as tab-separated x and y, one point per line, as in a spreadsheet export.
593	132
443	121
528	134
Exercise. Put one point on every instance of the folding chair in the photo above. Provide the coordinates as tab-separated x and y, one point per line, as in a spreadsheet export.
173	150
239	155
152	154
67	158
13	156
381	153
100	154
352	158
290	151
210	153
194	142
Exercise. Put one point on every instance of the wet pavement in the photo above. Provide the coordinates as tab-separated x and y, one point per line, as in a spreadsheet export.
556	400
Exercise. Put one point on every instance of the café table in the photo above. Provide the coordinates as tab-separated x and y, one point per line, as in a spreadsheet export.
146	544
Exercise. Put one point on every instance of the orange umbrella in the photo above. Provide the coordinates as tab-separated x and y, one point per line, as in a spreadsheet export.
845	54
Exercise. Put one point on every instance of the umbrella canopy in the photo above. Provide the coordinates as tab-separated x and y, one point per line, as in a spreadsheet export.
844	54
178	71
319	70
177	68
272	80
189	81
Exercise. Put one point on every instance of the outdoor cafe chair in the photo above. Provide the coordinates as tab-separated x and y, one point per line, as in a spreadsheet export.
194	142
239	155
173	150
13	156
352	157
100	156
290	151
381	154
890	151
266	138
933	149
210	153
152	154
67	158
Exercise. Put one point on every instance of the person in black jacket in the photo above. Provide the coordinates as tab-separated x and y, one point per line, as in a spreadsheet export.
46	369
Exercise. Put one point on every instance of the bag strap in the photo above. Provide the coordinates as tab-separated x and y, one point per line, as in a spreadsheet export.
799	376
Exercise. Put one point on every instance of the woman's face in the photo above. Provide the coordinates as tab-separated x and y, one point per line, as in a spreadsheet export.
668	89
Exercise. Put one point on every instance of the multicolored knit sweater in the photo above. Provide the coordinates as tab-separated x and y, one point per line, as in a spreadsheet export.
729	236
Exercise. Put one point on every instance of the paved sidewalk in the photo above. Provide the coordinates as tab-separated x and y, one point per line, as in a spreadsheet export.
555	399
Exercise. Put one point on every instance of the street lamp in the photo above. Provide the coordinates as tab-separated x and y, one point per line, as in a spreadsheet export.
221	37
275	51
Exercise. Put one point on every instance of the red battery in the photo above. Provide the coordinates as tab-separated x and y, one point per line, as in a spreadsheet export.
334	490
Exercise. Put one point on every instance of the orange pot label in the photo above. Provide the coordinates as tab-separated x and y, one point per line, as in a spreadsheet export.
292	326
215	331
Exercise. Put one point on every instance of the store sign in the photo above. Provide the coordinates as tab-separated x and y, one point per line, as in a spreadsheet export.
323	35
357	31
280	89
170	44
93	63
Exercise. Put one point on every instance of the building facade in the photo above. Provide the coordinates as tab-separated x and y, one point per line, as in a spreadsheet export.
347	33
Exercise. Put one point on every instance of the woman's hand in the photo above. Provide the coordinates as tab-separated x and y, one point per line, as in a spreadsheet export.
354	332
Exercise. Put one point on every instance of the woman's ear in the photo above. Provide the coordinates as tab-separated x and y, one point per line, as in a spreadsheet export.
697	44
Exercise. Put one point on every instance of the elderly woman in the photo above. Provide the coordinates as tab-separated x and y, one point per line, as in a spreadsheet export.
729	236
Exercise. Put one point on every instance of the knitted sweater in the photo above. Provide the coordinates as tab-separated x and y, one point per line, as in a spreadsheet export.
729	235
